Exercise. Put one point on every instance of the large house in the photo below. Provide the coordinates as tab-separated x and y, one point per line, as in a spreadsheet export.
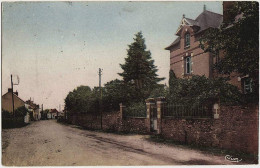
186	56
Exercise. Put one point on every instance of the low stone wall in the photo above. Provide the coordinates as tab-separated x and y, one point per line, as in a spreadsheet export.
133	125
111	121
236	129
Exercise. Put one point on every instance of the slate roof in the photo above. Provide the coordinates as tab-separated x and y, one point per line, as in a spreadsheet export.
192	22
209	19
204	21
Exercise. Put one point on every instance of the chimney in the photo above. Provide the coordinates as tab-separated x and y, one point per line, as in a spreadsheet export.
9	90
204	7
16	93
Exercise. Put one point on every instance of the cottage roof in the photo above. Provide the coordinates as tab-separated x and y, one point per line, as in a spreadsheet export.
53	111
205	20
14	95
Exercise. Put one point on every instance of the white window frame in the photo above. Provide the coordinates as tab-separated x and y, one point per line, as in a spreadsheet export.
188	65
185	40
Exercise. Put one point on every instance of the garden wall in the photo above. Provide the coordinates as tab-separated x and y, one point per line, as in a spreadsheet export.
111	121
236	129
137	125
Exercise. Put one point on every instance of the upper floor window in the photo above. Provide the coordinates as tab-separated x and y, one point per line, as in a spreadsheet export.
188	65
187	40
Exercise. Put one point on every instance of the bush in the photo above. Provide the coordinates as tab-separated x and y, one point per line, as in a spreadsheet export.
13	122
200	89
6	114
135	110
21	111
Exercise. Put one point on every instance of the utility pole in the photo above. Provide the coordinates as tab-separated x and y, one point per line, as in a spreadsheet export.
12	94
42	113
100	101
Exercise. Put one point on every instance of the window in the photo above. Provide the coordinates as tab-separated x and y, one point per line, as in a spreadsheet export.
187	40
247	82
188	65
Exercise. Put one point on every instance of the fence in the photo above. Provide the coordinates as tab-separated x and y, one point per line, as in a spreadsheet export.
186	111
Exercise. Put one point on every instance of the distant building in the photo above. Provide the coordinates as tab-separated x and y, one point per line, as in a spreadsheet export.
52	114
34	109
7	101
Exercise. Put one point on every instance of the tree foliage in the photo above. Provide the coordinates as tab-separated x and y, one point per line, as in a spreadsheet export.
200	89
238	39
115	92
21	111
79	100
139	71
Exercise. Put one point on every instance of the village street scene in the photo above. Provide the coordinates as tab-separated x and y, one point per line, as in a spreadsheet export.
130	83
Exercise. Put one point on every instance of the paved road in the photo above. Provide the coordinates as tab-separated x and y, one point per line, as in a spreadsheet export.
52	144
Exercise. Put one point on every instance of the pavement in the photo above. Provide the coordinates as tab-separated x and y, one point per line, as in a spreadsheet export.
48	143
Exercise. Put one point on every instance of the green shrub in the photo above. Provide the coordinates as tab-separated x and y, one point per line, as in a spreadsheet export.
135	110
200	89
21	111
13	122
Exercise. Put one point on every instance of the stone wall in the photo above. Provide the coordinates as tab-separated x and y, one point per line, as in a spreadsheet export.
111	121
136	125
235	129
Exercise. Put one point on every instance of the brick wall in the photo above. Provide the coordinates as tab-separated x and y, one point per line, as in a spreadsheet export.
236	129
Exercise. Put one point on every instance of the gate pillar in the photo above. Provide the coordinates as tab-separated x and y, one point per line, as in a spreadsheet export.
160	102
149	104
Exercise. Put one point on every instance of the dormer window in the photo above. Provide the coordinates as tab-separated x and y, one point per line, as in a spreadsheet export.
187	40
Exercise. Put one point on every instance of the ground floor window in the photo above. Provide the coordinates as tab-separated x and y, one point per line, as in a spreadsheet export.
247	85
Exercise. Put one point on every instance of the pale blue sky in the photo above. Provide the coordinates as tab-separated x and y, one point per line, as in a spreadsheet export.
55	46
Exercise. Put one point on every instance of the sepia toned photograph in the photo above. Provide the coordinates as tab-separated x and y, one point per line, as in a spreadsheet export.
129	83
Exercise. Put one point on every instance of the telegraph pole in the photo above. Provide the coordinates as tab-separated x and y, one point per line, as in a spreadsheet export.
100	101
12	94
42	116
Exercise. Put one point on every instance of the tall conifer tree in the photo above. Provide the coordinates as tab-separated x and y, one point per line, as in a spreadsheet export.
139	71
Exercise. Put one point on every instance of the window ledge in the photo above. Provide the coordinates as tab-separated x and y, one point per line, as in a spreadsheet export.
190	74
186	47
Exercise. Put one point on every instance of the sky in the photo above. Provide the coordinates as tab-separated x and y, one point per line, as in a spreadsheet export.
56	46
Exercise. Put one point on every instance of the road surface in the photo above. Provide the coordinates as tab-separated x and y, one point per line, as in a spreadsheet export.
48	143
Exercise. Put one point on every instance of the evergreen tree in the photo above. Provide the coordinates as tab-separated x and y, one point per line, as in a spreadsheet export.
139	71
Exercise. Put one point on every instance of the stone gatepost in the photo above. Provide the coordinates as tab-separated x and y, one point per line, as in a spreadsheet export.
122	107
120	119
149	104
160	102
216	110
